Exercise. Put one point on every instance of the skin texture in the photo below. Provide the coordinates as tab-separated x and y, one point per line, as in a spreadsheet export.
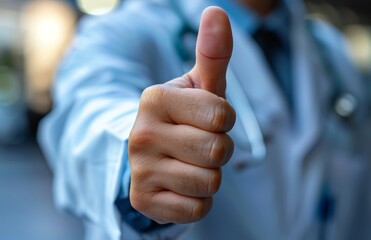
179	143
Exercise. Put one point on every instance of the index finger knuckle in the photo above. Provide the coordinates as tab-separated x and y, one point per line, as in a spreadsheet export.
153	96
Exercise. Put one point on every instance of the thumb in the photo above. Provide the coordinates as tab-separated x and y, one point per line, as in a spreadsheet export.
213	51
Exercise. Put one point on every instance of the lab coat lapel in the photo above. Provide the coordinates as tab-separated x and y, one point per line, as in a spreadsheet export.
256	79
311	91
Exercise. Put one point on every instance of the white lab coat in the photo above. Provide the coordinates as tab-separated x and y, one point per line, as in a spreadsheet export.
96	99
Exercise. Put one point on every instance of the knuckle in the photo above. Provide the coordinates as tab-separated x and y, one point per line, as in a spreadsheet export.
152	96
219	116
139	173
214	181
232	116
200	209
137	201
216	151
141	136
229	149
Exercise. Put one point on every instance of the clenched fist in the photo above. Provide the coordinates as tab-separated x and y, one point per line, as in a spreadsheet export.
179	143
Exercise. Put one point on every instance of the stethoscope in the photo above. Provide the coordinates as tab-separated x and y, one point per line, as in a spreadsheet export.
344	104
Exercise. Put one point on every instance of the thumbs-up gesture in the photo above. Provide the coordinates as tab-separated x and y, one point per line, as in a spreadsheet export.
179	143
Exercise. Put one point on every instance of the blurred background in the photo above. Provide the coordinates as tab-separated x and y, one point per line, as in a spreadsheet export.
34	35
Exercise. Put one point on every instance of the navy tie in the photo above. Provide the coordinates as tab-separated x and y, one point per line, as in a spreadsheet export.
277	56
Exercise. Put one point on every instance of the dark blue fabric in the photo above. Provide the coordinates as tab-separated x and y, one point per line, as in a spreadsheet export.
277	53
135	219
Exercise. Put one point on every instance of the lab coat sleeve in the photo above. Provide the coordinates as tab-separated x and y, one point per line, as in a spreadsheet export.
96	97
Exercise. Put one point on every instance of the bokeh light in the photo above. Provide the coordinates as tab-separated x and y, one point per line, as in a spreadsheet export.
359	38
97	7
48	27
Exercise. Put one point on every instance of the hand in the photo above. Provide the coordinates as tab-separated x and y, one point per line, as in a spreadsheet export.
179	143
